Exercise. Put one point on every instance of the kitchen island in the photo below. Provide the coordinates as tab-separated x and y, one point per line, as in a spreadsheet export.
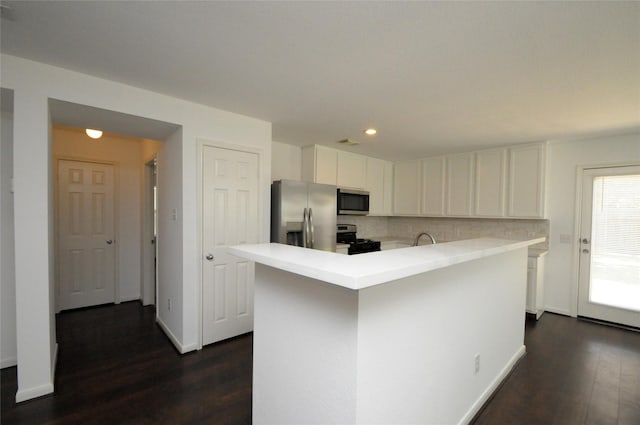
419	335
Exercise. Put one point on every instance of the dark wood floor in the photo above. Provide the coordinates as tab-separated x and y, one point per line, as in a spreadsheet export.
116	367
575	372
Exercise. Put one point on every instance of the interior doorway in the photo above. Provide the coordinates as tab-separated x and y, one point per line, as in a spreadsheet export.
609	277
149	282
230	216
86	234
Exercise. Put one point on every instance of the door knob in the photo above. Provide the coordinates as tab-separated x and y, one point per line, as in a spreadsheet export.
109	242
585	251
585	240
209	257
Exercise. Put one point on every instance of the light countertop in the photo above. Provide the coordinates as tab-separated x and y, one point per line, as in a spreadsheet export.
373	268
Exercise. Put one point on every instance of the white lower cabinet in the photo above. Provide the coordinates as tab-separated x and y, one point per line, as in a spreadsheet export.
342	249
535	285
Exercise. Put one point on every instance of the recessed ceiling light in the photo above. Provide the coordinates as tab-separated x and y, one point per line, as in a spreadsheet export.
370	131
94	134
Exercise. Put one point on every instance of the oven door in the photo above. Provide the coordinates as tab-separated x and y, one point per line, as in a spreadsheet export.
353	202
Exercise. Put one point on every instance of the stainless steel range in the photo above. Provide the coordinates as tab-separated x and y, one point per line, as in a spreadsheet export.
347	234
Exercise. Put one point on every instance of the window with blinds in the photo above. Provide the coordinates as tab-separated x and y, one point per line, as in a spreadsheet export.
615	241
616	215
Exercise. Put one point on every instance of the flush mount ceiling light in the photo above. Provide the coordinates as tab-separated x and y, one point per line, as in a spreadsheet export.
94	134
370	131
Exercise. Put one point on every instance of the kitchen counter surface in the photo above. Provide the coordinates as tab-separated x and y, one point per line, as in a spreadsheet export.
374	268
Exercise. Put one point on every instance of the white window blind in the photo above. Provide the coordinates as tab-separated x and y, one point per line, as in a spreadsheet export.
616	215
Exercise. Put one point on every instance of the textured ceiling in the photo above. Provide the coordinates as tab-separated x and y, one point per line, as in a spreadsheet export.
433	77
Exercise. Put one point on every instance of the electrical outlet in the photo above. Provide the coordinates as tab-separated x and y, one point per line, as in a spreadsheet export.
477	363
169	304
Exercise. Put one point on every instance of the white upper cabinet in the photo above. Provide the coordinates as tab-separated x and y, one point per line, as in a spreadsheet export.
526	181
490	181
331	166
459	185
433	186
379	183
407	190
319	164
352	170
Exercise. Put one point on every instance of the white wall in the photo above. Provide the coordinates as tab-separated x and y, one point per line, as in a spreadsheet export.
8	350
33	84
286	162
126	155
564	158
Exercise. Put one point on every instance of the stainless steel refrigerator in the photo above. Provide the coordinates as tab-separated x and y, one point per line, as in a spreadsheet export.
304	214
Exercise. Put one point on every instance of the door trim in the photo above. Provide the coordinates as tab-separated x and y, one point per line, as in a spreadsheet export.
575	245
201	144
116	227
147	223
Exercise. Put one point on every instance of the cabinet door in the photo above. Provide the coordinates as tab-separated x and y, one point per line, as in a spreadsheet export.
388	188
352	170
526	181
407	188
459	185
433	188
326	161
380	186
376	185
490	176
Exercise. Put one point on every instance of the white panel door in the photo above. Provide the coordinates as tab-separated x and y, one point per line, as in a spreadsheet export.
230	217
86	249
610	245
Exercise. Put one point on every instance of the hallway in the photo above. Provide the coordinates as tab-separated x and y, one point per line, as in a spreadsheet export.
115	366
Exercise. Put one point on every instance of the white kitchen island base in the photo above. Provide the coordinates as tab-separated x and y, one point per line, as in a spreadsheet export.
404	351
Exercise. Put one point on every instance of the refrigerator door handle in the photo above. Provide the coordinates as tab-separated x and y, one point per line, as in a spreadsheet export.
311	229
305	223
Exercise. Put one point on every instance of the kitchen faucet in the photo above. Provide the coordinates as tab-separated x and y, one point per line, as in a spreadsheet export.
433	240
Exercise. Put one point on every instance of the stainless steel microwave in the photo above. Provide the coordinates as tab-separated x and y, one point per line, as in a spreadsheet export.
353	202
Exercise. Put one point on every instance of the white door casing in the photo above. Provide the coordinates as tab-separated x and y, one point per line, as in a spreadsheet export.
586	306
86	230
229	217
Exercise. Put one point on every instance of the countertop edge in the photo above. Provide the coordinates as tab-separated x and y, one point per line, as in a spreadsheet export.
366	270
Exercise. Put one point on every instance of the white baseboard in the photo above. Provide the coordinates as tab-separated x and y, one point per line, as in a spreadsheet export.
182	349
39	391
475	408
8	362
561	311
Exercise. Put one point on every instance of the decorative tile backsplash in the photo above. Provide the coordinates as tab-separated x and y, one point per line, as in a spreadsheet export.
449	229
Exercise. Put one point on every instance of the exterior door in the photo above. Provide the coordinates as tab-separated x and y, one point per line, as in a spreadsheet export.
610	245
230	217
86	249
